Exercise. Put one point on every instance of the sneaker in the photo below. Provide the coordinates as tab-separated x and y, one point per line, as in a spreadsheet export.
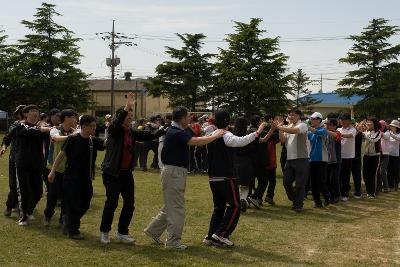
7	212
127	239
270	201
156	239
223	240
31	217
77	236
318	205
298	209
371	197
386	190
177	246
358	196
254	201
23	222
46	221
344	199
104	238
243	205
207	241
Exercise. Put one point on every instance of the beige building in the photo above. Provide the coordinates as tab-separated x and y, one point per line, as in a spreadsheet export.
145	105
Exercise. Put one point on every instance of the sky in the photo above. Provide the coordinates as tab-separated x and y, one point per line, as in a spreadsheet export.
312	32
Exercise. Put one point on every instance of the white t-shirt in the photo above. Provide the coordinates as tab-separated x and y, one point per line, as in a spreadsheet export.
296	144
348	144
54	132
385	143
394	145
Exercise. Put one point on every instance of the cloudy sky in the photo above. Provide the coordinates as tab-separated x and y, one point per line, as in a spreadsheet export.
312	32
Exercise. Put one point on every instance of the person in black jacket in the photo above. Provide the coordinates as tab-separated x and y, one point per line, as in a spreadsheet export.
117	170
29	160
10	139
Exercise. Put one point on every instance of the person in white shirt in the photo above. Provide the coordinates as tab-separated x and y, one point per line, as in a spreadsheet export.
386	146
371	160
297	166
393	167
348	133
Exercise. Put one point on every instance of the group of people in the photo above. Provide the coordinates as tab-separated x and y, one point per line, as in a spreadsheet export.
318	155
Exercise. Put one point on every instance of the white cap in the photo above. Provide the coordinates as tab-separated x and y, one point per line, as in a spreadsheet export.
316	115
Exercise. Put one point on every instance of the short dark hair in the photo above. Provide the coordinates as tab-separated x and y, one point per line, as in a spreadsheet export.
28	108
67	113
267	117
168	116
54	111
241	124
86	120
332	121
296	111
153	118
222	119
179	113
255	120
345	116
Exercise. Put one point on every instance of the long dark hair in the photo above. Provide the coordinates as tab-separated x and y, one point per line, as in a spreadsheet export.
241	124
377	125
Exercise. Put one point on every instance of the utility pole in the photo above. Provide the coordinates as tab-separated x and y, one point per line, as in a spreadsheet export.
115	41
112	67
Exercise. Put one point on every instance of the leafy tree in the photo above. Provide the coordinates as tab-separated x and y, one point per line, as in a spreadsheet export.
299	83
187	80
374	58
250	73
46	64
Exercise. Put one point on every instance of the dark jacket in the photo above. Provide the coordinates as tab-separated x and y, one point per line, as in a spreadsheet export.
115	144
29	149
10	139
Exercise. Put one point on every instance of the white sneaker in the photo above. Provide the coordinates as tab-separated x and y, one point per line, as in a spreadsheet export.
31	217
156	239
22	222
177	247
104	238
344	199
223	240
127	239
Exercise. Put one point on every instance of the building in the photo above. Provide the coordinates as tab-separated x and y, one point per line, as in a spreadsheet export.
332	102
145	105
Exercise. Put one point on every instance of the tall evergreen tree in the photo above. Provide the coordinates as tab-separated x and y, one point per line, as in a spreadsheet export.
187	80
47	64
8	81
299	83
251	72
373	56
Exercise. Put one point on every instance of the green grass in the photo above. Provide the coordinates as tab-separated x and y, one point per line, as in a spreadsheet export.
356	233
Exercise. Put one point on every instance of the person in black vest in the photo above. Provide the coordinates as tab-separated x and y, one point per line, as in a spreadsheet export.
77	183
10	139
223	182
117	170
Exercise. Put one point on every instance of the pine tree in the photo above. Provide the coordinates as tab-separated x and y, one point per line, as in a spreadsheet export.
250	73
299	83
187	80
373	56
47	64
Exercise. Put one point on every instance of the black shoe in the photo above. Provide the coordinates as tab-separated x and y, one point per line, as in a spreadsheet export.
298	209
78	236
144	169
7	212
270	201
243	205
254	201
318	205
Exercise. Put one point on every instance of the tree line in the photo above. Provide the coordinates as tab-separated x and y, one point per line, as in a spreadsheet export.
250	76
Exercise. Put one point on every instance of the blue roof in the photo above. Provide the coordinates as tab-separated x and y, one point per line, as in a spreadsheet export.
334	98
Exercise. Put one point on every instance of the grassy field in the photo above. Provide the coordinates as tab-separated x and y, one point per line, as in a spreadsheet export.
356	233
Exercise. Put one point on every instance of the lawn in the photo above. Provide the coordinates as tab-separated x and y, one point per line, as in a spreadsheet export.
356	233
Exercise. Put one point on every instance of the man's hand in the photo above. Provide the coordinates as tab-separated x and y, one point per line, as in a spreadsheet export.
130	99
51	176
261	127
2	151
219	132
